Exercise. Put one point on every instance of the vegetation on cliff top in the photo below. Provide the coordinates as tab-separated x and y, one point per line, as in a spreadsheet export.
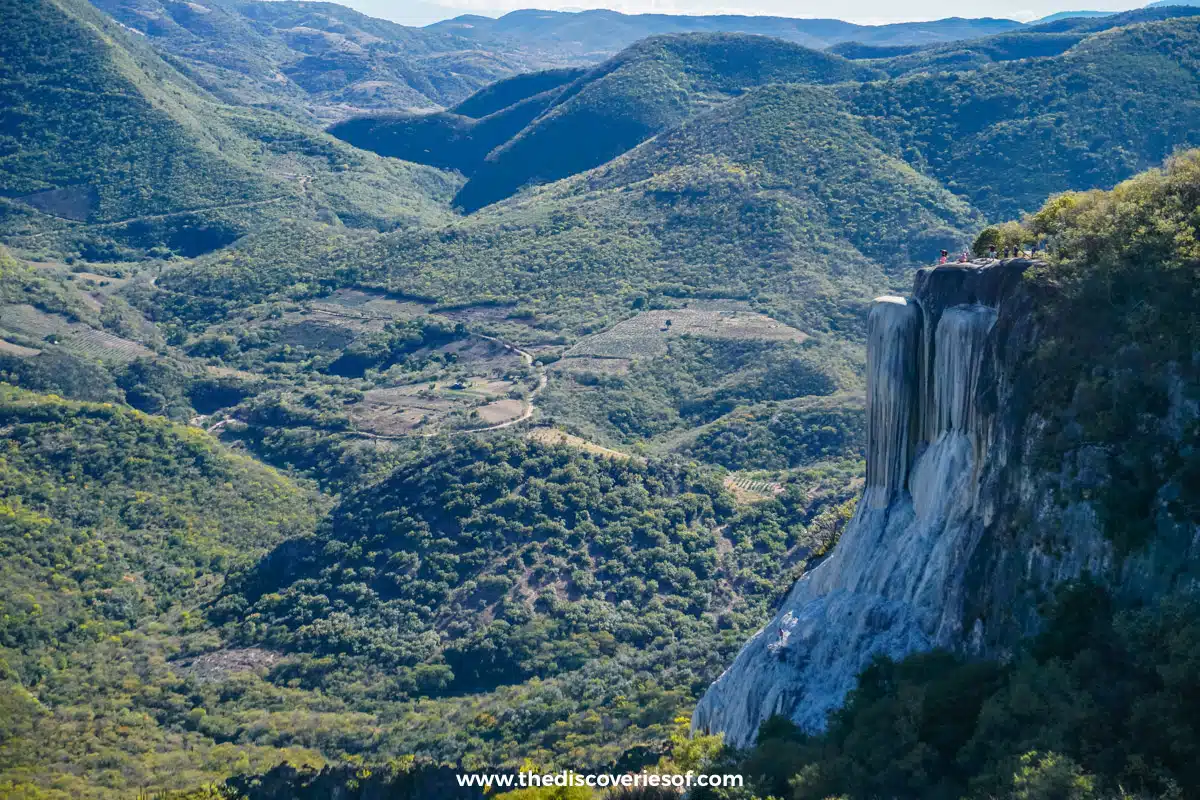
1118	363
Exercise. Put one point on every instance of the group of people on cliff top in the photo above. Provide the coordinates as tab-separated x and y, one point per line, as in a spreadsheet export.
1014	251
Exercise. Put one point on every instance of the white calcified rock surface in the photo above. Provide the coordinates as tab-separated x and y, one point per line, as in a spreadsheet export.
894	583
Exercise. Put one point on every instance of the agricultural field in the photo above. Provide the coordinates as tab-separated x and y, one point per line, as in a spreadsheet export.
646	335
659	374
752	488
556	436
34	325
400	410
428	408
370	304
8	348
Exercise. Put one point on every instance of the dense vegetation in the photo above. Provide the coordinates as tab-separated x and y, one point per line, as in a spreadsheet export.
695	382
1126	270
1005	138
484	565
782	435
115	525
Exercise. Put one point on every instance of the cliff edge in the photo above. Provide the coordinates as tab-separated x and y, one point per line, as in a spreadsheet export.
968	521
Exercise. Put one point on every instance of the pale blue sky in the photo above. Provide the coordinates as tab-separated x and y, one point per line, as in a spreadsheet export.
414	12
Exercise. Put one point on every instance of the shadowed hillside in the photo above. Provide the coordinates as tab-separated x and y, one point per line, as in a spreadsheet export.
651	86
461	138
568	128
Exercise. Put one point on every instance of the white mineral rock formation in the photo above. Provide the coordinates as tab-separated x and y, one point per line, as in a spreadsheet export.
893	585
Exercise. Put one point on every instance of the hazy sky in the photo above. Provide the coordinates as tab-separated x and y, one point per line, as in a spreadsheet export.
862	11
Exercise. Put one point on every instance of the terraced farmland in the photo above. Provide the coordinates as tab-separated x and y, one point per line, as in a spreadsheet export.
36	325
8	348
556	436
370	304
646	335
752	490
426	408
105	346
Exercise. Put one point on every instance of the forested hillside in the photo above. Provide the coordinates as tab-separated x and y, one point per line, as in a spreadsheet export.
503	575
105	143
1007	137
117	526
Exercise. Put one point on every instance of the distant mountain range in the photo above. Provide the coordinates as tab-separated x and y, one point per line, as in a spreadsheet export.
321	61
595	34
562	123
318	61
1070	15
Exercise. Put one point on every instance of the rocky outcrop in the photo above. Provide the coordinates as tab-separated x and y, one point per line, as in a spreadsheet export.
963	529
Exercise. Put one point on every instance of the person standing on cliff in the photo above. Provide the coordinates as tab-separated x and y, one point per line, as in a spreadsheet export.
944	257
992	251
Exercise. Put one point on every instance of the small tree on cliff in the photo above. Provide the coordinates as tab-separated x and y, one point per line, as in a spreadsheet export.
1009	234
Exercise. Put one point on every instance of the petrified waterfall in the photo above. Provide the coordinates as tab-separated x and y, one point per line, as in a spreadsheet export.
894	583
893	375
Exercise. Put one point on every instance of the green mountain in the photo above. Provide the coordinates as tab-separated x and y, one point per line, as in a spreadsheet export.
537	470
1037	41
1006	138
648	88
743	209
548	127
461	138
791	199
1071	15
103	140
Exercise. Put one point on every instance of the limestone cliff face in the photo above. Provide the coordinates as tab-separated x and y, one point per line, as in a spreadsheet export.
962	531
